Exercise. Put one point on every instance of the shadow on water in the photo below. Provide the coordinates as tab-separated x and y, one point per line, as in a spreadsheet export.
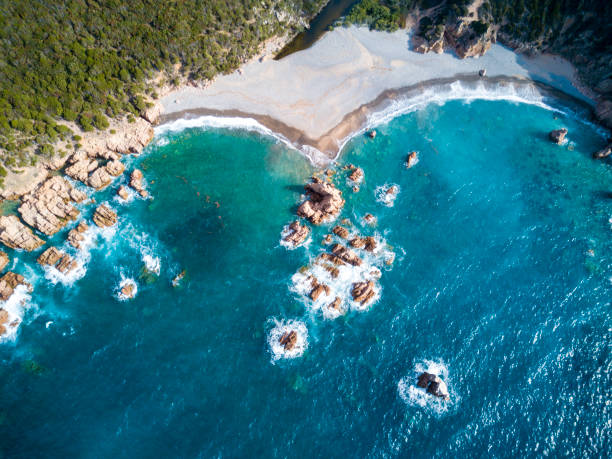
318	26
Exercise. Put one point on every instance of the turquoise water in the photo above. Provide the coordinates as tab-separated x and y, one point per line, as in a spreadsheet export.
493	286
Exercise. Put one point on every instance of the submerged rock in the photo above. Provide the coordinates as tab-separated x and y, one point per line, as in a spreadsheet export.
434	385
16	235
176	282
288	340
75	236
412	159
297	233
370	219
324	203
128	291
9	282
104	216
558	135
363	292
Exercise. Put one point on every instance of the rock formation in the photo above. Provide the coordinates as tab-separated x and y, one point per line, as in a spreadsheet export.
9	282
558	135
176	282
54	257
297	233
603	153
4	260
99	178
104	216
49	207
75	236
412	159
434	385
317	289
346	255
336	305
115	168
4	317
80	167
288	340
370	219
372	134
16	235
363	292
136	182
356	175
341	231
128	290
325	202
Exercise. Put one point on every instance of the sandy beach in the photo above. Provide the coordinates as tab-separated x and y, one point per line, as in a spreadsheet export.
316	97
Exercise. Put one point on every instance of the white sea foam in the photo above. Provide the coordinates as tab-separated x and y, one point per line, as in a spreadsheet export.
387	199
125	281
281	327
417	397
15	306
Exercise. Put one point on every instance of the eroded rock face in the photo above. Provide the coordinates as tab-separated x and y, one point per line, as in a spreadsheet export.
603	153
325	203
412	159
558	135
288	340
363	292
434	385
129	141
9	282
16	235
318	289
136	182
49	207
75	236
104	216
100	178
115	168
341	231
347	255
4	260
298	233
152	114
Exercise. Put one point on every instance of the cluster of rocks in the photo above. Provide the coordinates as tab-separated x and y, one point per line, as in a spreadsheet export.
324	202
558	135
9	282
296	234
104	216
75	236
16	235
61	260
128	290
288	340
136	179
96	173
604	152
434	385
363	292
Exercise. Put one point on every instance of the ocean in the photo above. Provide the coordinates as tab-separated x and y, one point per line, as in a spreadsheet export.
501	283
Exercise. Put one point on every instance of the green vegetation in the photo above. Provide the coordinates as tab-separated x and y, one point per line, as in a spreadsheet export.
85	61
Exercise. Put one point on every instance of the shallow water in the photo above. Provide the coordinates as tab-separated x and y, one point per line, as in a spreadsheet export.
493	287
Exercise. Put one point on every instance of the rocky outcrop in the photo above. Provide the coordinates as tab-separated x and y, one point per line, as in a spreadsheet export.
372	134
122	192
412	159
80	167
434	385
4	260
4	318
136	183
104	216
129	141
558	135
115	168
9	282
363	292
100	178
603	153
75	236
336	305
318	289
16	235
341	231
288	340
54	257
324	203
49	207
178	279
297	233
356	175
128	290
346	255
368	243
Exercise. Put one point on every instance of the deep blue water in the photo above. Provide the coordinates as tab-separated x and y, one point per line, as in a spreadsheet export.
493	285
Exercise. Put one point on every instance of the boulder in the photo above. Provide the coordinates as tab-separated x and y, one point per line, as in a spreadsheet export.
434	385
412	159
370	219
324	203
115	168
357	175
104	216
4	318
16	235
330	258
49	257
370	244
357	242
347	255
603	153
100	178
372	134
49	207
136	182
128	290
363	292
557	135
9	282
66	264
4	260
81	168
123	193
336	304
318	289
75	236
297	233
341	231
288	340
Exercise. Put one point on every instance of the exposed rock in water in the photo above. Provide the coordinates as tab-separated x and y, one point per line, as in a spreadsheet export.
9	282
103	216
370	244
318	289
4	260
327	239
331	258
434	385
347	255
128	290
54	257
392	190
357	175
100	178
324	203
4	317
370	219
372	134
123	193
412	159
482	73
16	235
115	168
341	231
136	182
48	208
558	135
176	282
336	304
288	340
363	292
298	233
75	236
603	153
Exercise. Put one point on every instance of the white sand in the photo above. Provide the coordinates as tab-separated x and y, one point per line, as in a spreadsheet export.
314	89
